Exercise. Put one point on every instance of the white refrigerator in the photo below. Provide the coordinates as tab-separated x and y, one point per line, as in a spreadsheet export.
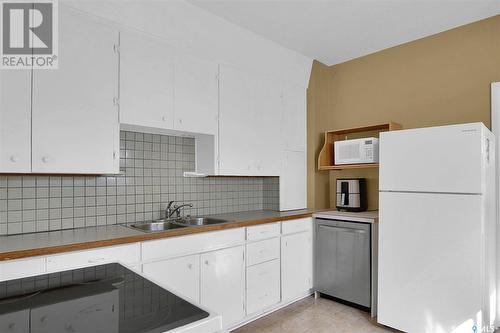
437	229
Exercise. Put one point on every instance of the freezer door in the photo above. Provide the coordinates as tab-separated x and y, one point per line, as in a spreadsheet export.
430	262
434	159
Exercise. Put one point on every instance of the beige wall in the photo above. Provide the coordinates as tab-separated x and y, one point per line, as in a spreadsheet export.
441	79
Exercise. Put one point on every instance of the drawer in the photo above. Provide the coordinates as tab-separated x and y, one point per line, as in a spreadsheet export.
298	225
262	251
185	245
263	231
21	268
263	286
126	254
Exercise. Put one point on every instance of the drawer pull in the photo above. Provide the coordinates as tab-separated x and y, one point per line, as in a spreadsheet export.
206	262
95	260
190	266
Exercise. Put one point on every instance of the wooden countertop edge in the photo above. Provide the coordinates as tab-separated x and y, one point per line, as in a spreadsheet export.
143	237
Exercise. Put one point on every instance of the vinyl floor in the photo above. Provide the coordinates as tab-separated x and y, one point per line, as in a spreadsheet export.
315	315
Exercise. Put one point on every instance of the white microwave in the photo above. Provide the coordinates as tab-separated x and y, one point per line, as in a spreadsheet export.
356	151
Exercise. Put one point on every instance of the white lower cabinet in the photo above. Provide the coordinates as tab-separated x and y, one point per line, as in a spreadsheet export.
263	286
296	265
223	283
181	275
222	271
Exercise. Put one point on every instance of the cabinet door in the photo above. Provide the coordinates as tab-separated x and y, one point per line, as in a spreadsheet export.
296	265
237	123
196	95
249	124
293	180
75	122
146	81
15	121
179	275
263	286
223	283
267	133
294	118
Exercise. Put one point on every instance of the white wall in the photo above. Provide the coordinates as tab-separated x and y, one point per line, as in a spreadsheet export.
195	31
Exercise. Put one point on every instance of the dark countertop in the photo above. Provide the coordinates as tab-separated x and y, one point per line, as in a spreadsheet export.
103	298
45	243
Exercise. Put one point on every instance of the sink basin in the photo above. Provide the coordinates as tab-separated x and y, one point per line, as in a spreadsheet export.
194	221
158	225
162	225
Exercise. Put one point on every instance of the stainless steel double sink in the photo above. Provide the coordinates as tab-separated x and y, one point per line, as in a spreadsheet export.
168	224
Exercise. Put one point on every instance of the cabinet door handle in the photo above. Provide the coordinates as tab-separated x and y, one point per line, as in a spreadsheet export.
45	159
190	266
13	158
206	262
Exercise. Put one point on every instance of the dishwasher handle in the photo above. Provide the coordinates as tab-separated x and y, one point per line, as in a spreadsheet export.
343	229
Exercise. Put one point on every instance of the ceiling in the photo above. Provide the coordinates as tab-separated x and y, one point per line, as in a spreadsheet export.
334	31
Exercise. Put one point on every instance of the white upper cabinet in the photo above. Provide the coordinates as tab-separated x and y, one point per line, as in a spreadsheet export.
75	122
294	120
146	81
15	121
196	95
293	180
267	133
249	124
237	123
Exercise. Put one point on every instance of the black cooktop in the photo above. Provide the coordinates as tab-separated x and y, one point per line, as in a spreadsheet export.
100	299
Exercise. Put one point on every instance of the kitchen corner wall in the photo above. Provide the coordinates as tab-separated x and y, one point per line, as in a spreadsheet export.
151	174
441	79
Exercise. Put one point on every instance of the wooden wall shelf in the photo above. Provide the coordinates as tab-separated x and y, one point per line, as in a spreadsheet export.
326	155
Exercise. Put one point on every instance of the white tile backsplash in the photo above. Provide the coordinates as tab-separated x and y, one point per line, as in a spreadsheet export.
152	168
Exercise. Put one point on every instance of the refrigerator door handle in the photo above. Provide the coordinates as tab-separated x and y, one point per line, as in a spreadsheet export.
488	150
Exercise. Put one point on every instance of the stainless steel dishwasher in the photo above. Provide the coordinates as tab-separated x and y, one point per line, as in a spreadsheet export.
343	259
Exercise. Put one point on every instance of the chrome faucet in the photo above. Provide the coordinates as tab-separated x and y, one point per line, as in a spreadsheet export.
171	209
